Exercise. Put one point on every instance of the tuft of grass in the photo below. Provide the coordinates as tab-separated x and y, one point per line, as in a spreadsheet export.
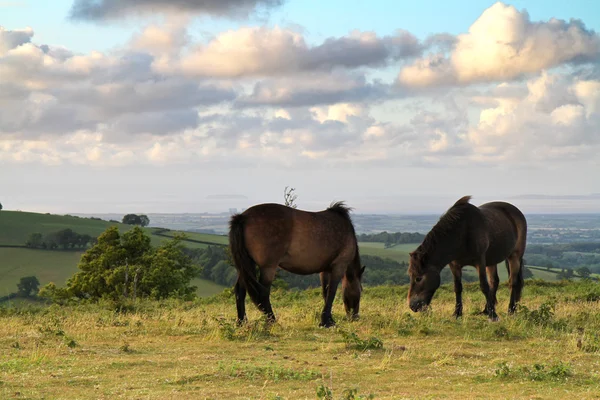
354	342
536	372
325	393
270	371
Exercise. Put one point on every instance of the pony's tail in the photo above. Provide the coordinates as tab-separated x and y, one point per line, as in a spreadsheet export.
244	264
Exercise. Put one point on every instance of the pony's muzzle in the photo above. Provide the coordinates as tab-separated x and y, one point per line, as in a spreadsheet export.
418	305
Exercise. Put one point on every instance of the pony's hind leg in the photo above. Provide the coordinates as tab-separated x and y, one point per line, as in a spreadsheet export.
457	274
490	307
240	301
325	278
494	282
267	275
516	281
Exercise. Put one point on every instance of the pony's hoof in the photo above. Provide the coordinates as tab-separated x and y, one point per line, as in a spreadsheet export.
353	317
457	315
327	324
494	318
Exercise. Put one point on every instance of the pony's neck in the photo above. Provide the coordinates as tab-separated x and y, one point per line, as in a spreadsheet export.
440	254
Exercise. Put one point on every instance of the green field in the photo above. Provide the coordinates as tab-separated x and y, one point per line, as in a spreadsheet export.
47	266
16	226
202	237
193	240
397	253
57	266
193	350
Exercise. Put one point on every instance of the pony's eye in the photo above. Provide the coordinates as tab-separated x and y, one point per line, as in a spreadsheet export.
418	279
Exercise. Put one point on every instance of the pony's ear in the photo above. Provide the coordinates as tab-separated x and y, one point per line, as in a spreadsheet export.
362	270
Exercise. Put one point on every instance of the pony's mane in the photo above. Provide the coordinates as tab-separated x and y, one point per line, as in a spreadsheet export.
340	208
442	228
343	210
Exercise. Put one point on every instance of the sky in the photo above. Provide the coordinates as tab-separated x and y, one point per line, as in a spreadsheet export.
117	106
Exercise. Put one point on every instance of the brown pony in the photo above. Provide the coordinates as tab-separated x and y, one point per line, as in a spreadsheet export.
468	235
301	242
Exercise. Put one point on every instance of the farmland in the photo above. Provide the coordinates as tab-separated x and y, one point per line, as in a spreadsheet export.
57	266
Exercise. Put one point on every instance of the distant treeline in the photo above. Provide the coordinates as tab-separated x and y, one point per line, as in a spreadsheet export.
215	264
569	255
64	239
392	238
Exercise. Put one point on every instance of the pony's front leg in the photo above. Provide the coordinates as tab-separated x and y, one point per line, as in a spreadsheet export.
490	307
457	274
326	317
240	301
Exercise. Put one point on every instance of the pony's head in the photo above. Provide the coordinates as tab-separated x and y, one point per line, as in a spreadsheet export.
424	281
352	290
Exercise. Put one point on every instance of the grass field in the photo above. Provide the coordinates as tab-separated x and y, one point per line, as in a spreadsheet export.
58	266
175	350
202	237
47	266
397	253
16	226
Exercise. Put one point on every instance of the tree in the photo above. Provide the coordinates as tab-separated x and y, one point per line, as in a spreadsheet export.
289	197
144	220
0	206
28	286
35	241
128	265
527	273
134	219
584	272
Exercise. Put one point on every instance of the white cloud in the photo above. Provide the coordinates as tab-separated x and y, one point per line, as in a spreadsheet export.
504	44
556	121
259	96
261	51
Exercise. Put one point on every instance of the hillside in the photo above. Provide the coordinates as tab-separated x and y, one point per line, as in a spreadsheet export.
57	266
16	226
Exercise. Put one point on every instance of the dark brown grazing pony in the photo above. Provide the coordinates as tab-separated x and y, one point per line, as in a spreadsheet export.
468	235
301	242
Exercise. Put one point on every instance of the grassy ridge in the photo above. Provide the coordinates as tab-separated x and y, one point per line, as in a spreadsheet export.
16	226
58	266
194	350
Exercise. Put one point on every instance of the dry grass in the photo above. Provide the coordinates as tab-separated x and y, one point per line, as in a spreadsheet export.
175	350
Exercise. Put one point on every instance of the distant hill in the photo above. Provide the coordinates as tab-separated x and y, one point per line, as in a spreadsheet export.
57	266
16	226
